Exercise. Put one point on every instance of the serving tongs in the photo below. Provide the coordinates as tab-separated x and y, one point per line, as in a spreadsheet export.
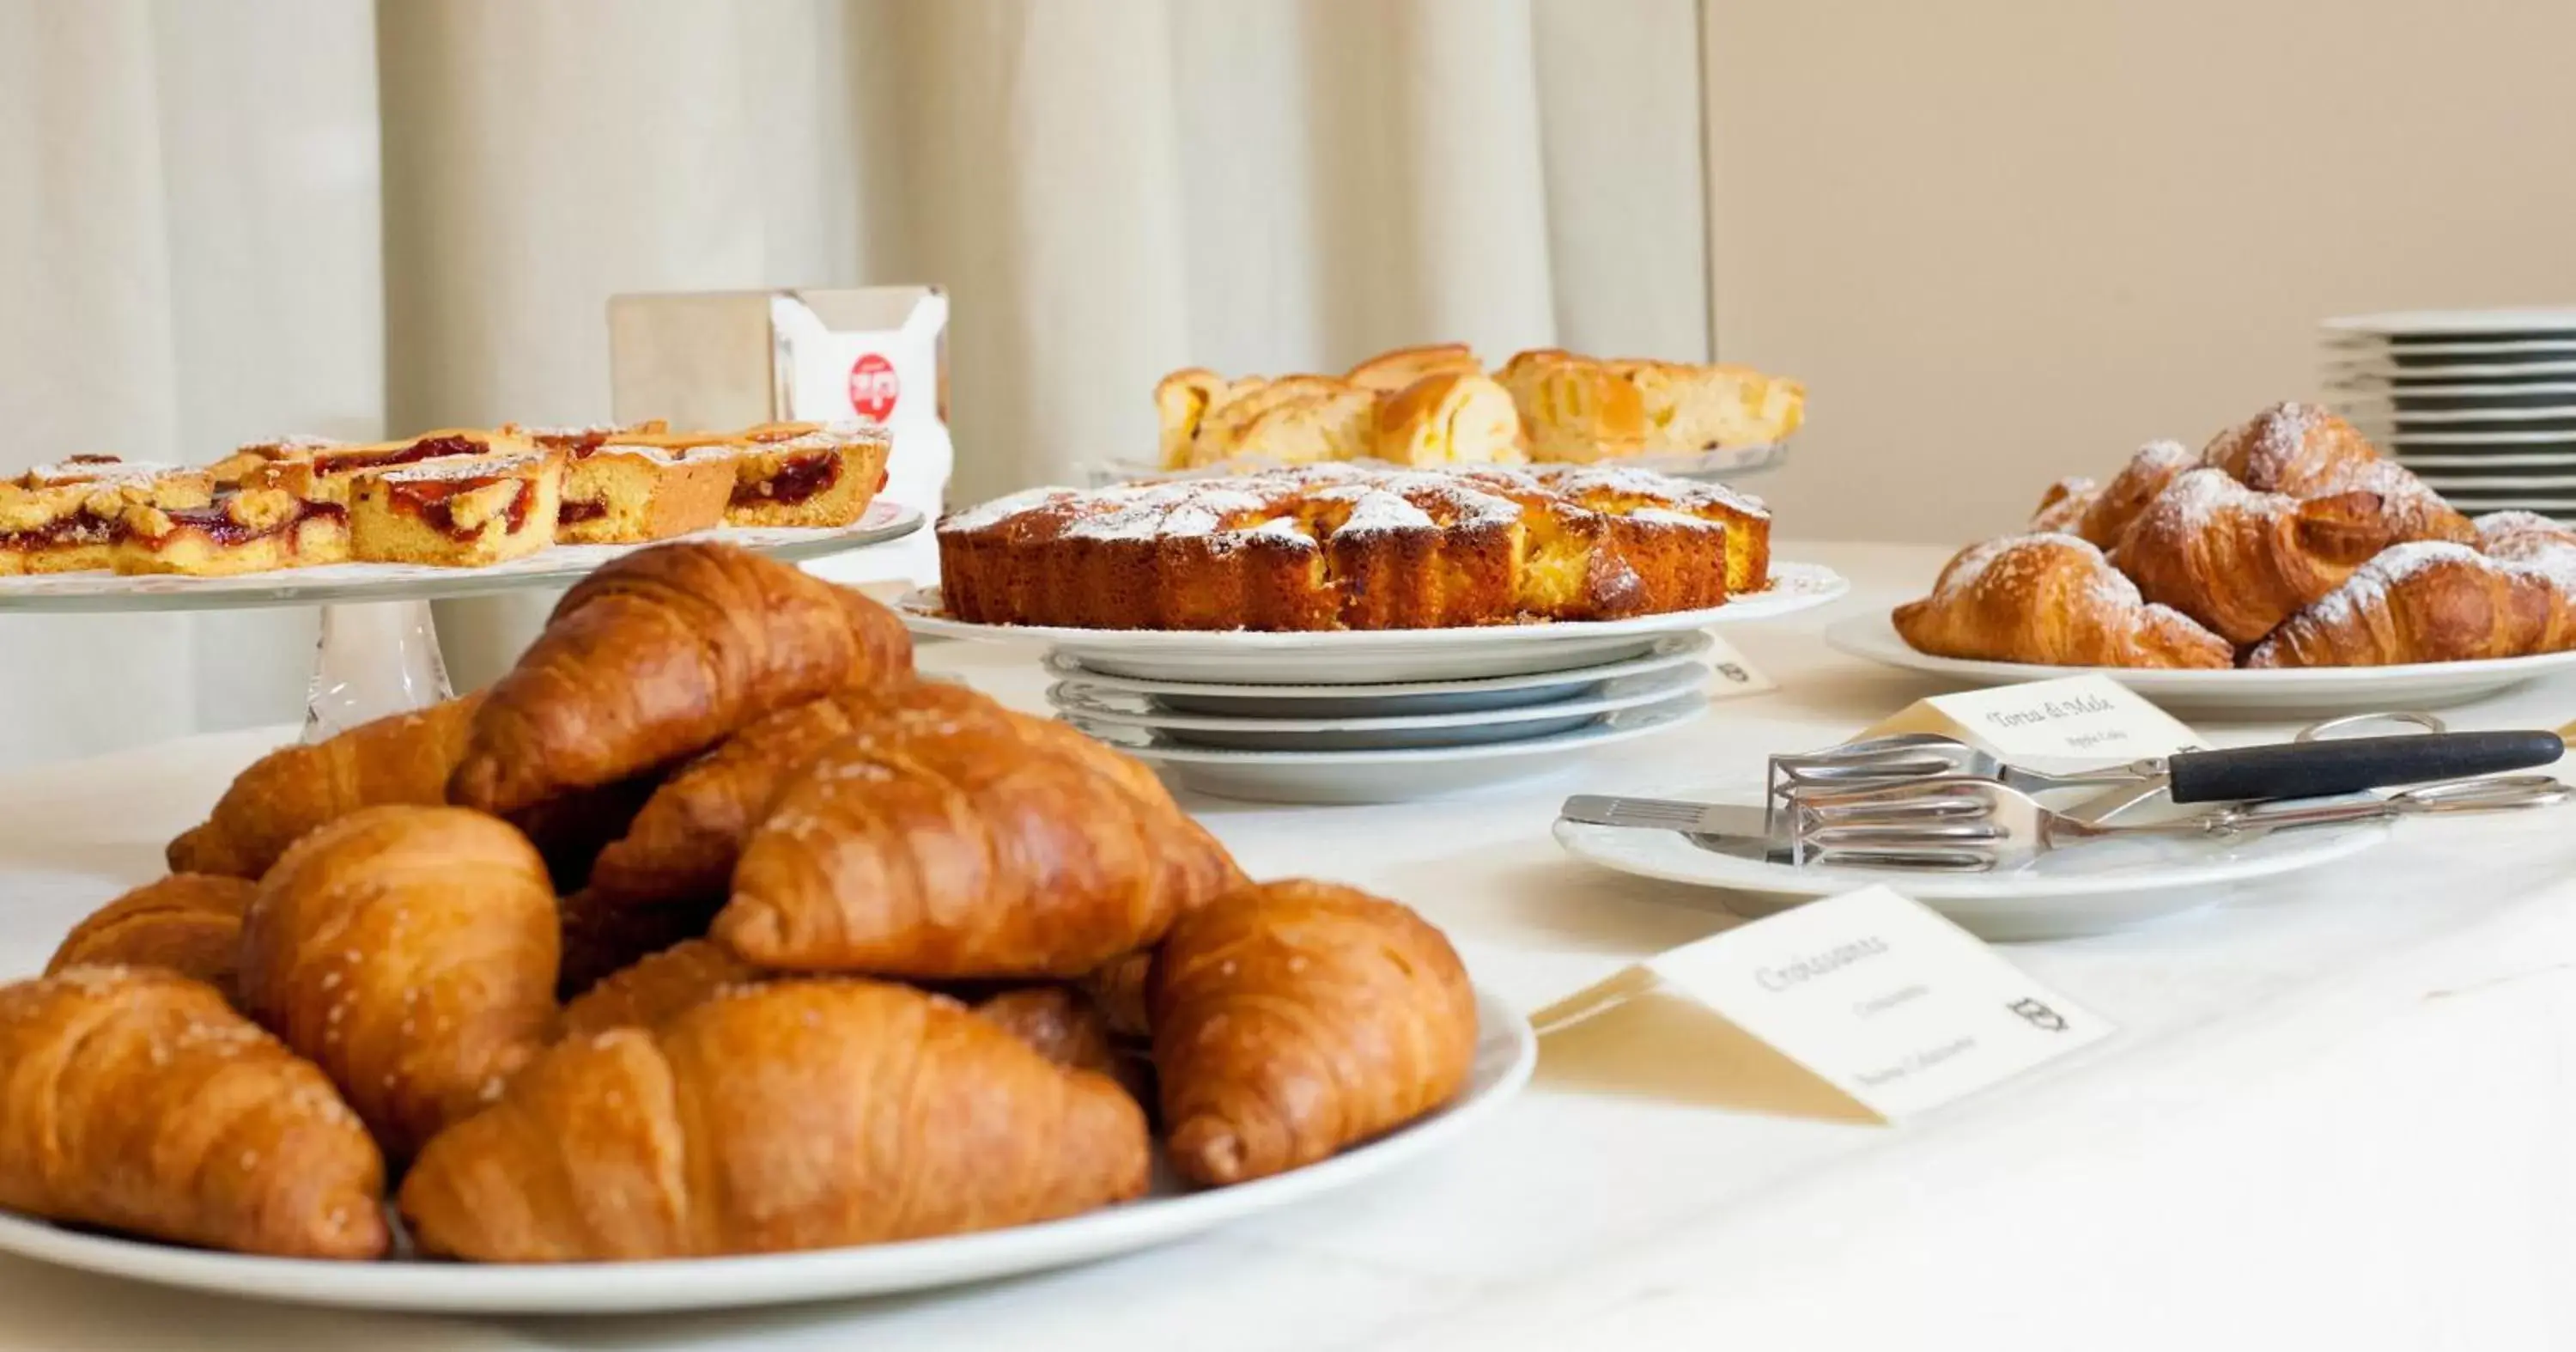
1973	826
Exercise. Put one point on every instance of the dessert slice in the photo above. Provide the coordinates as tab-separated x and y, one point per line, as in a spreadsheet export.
823	477
246	531
630	484
461	512
1690	409
325	475
248	457
68	517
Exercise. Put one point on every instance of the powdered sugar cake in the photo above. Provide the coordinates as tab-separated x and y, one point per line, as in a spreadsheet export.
1338	547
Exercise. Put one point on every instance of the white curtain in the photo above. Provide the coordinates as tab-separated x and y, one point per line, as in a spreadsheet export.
225	220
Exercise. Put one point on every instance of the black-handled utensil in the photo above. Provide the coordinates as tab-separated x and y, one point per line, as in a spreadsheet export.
2351	764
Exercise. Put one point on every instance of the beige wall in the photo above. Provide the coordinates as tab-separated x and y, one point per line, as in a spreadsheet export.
2004	240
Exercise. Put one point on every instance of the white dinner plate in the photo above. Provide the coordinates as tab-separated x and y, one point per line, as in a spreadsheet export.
2380	373
1386	776
2507	458
2539	394
1506	1050
2474	484
2541	347
2526	321
2087	889
1376	656
1390	732
1389	700
2510	420
2290	692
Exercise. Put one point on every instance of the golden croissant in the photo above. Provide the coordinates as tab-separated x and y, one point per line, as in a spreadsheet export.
2427	601
796	1115
2106	516
1295	1018
135	1099
2051	600
2239	561
658	987
2309	452
972	852
402	759
188	923
658	656
410	952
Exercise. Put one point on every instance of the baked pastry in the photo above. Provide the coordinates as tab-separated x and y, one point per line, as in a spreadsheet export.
410	952
2062	508
659	655
1450	418
405	758
2523	537
241	531
248	457
1293	1019
1057	1022
2240	561
2141	481
136	1100
1335	424
824	476
658	987
795	1115
2307	452
570	829
977	852
2051	600
602	937
188	923
1118	987
1574	409
1181	400
69	517
1690	409
463	512
326	474
1388	372
1338	547
635	482
2427	601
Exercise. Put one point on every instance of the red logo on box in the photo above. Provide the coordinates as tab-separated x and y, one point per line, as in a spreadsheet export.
873	387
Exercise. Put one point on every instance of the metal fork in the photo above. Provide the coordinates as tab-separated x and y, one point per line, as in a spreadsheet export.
1973	826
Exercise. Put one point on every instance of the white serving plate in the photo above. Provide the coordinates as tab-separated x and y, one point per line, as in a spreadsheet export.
2379	372
555	565
2557	322
1506	1051
1471	728
1389	700
2443	458
2366	347
2377	393
2088	889
2475	484
1379	656
1387	776
2266	694
2375	413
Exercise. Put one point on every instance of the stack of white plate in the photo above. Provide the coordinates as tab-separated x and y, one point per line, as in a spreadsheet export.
2480	403
1378	716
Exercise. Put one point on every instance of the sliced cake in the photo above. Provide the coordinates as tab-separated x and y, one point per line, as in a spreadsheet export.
825	476
462	512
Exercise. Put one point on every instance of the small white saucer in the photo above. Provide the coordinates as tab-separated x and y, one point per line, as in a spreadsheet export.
2088	889
1238	700
1386	776
1471	728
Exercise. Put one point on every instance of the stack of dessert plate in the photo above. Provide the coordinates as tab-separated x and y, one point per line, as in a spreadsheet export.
1373	716
2480	403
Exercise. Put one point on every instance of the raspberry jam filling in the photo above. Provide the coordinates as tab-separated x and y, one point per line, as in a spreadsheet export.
575	511
427	448
218	525
432	500
795	481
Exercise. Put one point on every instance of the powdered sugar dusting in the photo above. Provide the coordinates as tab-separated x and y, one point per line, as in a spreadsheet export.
2006	562
2368	587
452	467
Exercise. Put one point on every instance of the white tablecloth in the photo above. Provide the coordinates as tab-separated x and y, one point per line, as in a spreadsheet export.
2338	1113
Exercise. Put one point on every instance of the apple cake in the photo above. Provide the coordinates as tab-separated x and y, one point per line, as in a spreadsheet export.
1343	547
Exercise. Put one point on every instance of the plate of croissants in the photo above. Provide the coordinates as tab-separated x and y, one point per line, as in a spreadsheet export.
710	958
2286	568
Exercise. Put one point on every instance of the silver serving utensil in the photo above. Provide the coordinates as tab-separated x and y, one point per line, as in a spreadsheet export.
1968	825
1739	829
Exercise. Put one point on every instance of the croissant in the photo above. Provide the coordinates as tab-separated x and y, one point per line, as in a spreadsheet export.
2309	452
2426	601
657	656
2062	507
602	935
571	831
2239	561
2523	537
2053	600
797	1115
1292	1019
402	759
410	951
658	987
1057	1022
187	923
975	852
1118	989
2138	483
137	1100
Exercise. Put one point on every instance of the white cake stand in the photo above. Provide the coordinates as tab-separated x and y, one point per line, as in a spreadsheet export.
378	653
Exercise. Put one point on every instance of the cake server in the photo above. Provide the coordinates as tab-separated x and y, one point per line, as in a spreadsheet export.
1971	825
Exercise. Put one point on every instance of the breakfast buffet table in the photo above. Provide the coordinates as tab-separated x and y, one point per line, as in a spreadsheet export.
2336	1113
